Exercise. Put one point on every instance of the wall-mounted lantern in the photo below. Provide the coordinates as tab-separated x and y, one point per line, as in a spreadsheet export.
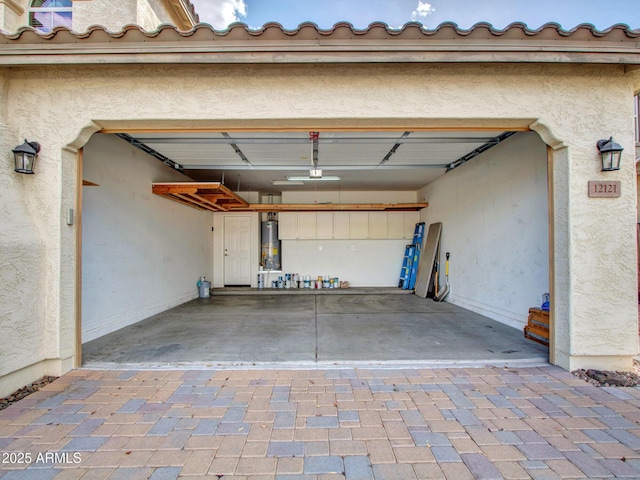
25	156
610	152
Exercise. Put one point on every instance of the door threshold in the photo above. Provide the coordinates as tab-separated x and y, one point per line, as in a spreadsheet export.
322	365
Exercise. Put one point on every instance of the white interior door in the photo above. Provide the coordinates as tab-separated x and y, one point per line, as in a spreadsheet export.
237	250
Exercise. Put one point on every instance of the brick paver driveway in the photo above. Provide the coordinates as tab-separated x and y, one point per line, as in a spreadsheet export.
323	424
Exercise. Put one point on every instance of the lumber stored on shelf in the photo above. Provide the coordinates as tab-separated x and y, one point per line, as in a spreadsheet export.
212	196
215	197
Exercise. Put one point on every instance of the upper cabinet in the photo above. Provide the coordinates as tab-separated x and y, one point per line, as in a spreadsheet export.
341	224
307	225
324	225
410	220
402	224
378	224
297	225
287	225
358	224
346	225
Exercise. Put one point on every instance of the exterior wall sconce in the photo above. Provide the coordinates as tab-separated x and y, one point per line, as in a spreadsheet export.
610	152
25	156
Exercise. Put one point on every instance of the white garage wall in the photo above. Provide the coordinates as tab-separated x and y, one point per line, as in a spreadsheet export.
494	214
141	253
363	263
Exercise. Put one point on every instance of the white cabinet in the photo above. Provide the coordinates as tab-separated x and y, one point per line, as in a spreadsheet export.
287	225
306	225
346	225
395	225
324	225
410	219
402	224
296	225
358	224
378	225
341	225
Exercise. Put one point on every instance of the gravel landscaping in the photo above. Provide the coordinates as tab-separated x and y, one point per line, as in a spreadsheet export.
25	391
605	378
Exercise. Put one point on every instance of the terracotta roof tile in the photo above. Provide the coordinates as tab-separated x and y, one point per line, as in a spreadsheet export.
376	29
307	43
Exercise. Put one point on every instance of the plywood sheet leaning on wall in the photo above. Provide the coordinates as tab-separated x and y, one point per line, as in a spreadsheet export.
427	259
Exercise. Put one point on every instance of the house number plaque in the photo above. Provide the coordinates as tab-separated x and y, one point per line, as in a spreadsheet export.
604	189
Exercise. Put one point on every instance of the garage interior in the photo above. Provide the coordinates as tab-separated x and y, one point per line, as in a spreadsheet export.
346	203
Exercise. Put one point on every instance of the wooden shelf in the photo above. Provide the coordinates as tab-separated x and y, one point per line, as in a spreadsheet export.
331	207
211	196
216	197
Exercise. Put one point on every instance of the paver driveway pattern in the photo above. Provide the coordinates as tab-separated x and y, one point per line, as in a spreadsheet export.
457	423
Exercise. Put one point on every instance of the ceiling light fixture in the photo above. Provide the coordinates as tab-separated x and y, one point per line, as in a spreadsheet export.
328	178
287	182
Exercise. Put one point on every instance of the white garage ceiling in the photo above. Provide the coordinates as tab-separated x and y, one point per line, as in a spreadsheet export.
378	160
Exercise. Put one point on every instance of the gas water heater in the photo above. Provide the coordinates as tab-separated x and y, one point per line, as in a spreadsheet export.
270	256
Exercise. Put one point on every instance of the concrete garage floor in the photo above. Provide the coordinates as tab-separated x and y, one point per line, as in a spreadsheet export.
302	330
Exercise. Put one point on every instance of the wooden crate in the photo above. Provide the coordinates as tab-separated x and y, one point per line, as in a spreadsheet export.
537	328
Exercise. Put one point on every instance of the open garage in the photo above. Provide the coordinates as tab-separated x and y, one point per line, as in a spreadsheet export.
401	116
352	223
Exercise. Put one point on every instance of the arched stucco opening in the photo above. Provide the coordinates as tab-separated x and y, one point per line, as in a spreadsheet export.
354	125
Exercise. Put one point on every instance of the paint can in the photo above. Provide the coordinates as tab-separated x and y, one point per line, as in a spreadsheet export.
261	280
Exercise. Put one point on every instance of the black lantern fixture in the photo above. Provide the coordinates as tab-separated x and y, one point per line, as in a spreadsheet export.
25	156
610	152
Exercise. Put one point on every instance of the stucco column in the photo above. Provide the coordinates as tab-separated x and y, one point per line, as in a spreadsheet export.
22	254
594	263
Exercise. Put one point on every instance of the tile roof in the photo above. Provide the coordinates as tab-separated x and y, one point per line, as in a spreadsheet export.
342	43
410	29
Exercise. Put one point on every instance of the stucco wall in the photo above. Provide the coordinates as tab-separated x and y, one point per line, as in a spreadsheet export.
141	253
494	214
638	199
11	12
594	239
22	256
148	14
112	14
